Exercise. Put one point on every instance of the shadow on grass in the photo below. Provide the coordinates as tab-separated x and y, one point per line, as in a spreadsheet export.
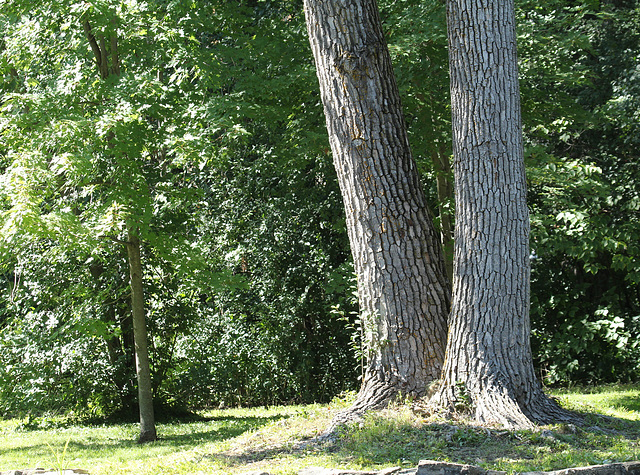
381	441
618	426
629	403
231	426
92	441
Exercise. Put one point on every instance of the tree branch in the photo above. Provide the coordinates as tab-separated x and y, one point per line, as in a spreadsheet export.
93	43
118	241
115	59
104	64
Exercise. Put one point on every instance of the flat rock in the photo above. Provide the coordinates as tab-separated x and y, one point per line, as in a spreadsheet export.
626	468
45	471
425	467
433	467
332	471
338	471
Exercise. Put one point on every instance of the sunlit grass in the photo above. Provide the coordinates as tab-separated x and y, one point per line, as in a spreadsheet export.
611	400
268	439
184	447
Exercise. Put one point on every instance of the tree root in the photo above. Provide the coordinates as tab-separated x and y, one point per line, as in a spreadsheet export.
373	395
497	405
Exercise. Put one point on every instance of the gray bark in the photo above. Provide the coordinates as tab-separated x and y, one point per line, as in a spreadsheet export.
145	396
402	284
489	365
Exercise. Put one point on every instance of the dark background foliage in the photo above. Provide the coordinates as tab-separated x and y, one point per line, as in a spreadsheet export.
213	138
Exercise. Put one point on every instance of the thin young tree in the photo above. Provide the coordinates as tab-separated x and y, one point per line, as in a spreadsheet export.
107	61
489	365
402	285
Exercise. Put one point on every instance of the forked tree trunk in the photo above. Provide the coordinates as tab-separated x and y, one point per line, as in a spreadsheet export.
489	365
402	284
145	396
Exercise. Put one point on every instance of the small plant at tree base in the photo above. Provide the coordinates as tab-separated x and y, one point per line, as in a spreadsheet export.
60	456
463	398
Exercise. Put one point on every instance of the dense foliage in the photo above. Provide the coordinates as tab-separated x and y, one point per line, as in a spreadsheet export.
219	160
207	135
581	121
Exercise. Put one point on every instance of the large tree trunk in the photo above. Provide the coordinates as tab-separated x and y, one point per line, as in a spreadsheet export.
402	284
489	366
145	396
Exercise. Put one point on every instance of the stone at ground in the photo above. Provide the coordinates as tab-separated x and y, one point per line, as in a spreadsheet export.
425	467
337	471
45	471
626	468
433	467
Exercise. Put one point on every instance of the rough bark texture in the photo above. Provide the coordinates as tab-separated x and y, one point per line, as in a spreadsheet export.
145	397
402	284
488	365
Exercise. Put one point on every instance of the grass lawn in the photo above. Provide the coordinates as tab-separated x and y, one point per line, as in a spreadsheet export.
243	440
